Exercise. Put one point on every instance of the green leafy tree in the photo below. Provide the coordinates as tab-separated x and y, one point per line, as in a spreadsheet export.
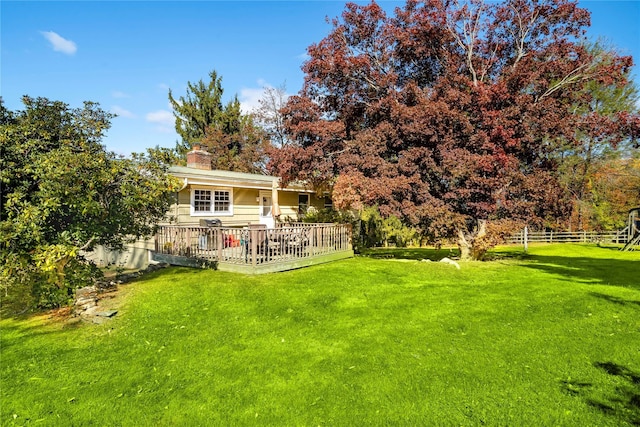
237	143
580	163
63	193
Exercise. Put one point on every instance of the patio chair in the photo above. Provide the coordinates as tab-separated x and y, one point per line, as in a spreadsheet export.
262	241
297	240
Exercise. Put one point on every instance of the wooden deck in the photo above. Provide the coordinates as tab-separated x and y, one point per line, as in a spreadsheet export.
253	249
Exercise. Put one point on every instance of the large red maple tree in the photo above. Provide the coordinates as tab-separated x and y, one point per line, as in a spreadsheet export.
449	115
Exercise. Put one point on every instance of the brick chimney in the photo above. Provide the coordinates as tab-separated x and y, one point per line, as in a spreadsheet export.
198	158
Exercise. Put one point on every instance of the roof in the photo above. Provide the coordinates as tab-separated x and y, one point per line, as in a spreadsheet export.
229	178
183	171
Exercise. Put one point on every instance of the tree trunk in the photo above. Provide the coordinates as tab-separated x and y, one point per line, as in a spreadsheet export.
464	246
470	243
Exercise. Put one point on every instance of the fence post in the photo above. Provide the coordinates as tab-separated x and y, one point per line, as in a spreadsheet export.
254	246
525	235
219	239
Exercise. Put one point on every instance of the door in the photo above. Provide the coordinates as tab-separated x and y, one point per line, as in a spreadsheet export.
266	214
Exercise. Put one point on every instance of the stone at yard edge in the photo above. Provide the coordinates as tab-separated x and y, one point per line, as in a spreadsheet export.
451	262
86	302
109	313
86	292
91	311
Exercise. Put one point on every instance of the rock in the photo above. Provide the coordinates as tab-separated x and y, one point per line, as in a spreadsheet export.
425	260
87	301
86	292
109	313
91	311
90	302
450	262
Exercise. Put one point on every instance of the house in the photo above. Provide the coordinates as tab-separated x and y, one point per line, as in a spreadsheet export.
236	198
237	202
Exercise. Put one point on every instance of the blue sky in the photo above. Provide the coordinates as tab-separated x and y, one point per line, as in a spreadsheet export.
126	55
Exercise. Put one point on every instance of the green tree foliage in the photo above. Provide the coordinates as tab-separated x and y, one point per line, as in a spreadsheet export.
239	145
63	193
581	164
199	109
614	189
233	139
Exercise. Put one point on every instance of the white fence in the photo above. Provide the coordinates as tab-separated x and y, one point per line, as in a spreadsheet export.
568	237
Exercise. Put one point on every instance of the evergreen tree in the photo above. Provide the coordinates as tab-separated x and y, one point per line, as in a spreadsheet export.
200	108
231	136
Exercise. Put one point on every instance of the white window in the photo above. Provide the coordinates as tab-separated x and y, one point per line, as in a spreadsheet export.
221	201
202	201
265	206
211	202
303	203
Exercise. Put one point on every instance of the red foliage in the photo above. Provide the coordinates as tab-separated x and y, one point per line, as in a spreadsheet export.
447	114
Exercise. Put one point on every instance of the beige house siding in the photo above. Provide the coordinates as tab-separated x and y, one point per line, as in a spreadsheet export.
289	203
134	256
247	190
246	208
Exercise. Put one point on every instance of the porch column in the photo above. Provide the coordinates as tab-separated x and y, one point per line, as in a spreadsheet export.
275	206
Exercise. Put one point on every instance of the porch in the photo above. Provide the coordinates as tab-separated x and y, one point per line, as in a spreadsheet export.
253	249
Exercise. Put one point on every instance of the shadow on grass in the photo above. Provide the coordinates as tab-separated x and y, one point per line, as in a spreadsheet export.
622	403
22	332
625	401
172	270
614	299
602	271
410	253
503	252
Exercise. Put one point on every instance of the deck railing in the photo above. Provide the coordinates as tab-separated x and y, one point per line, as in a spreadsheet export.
254	245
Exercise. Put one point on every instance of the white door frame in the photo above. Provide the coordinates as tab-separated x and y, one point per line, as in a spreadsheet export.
266	219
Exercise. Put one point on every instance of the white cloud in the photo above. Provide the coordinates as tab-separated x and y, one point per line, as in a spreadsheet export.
60	44
250	97
119	94
163	118
121	112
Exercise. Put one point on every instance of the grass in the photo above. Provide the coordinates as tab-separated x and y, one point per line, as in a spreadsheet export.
548	338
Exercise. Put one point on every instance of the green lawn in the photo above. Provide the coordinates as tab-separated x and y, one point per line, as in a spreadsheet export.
547	339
